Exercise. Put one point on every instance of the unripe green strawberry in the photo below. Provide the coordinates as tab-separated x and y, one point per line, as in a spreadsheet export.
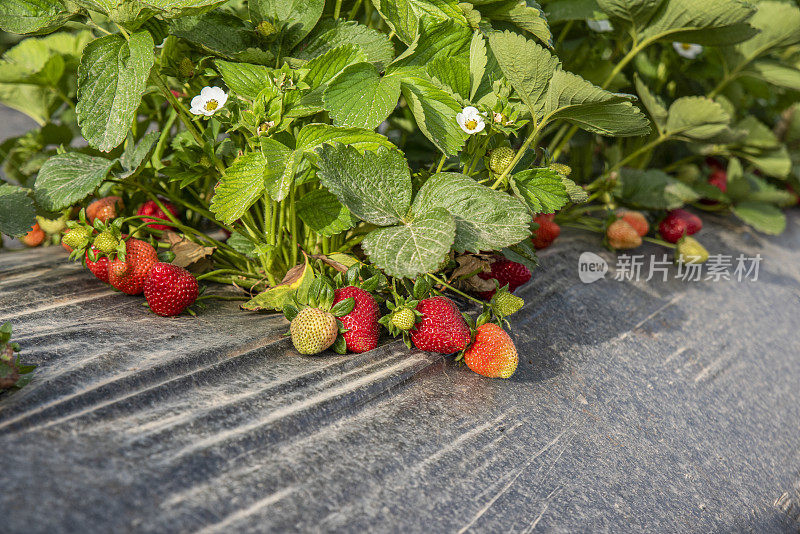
507	304
313	330
106	242
500	159
560	168
186	68
689	250
52	226
78	237
404	319
266	29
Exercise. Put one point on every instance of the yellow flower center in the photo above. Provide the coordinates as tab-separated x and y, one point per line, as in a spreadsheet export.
686	46
211	105
471	124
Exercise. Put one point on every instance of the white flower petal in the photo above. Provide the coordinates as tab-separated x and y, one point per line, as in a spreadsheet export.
217	94
198	101
470	110
600	26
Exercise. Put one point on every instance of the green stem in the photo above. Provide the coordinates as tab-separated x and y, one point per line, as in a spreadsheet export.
337	9
454	290
518	155
441	163
222	297
228	271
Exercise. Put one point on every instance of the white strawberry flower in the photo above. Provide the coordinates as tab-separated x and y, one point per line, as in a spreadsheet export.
687	50
209	101
599	25
470	120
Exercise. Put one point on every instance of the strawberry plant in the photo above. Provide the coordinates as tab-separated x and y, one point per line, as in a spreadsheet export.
394	150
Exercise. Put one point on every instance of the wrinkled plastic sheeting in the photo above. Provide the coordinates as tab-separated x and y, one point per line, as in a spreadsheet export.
648	407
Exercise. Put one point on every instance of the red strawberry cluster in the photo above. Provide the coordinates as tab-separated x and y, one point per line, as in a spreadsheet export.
152	212
505	272
677	224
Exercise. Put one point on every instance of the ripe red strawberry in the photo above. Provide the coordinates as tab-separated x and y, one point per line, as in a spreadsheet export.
129	276
34	237
678	223
637	220
547	232
719	179
170	289
505	272
152	212
622	236
492	354
362	323
442	329
103	209
98	268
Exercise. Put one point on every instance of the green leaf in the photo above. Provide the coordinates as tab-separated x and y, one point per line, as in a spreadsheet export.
523	252
36	102
17	213
696	118
444	39
634	13
763	217
178	8
315	135
33	16
135	154
776	73
561	10
452	73
323	212
575	100
542	189
653	104
271	169
477	62
529	18
526	65
403	16
111	80
32	61
375	186
576	193
414	247
778	26
435	112
275	297
720	22
222	34
300	16
359	97
322	69
485	219
65	179
653	189
245	79
331	34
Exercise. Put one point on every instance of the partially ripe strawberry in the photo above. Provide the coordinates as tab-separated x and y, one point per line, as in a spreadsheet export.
442	328
637	220
492	354
505	272
362	322
99	268
34	237
622	236
152	212
678	223
547	232
170	289
129	276
103	209
505	304
313	330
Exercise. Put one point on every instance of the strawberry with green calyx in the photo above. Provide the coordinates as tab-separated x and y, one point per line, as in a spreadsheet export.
34	237
170	289
622	236
637	220
104	209
97	264
441	328
78	236
403	314
108	238
503	303
314	318
561	168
